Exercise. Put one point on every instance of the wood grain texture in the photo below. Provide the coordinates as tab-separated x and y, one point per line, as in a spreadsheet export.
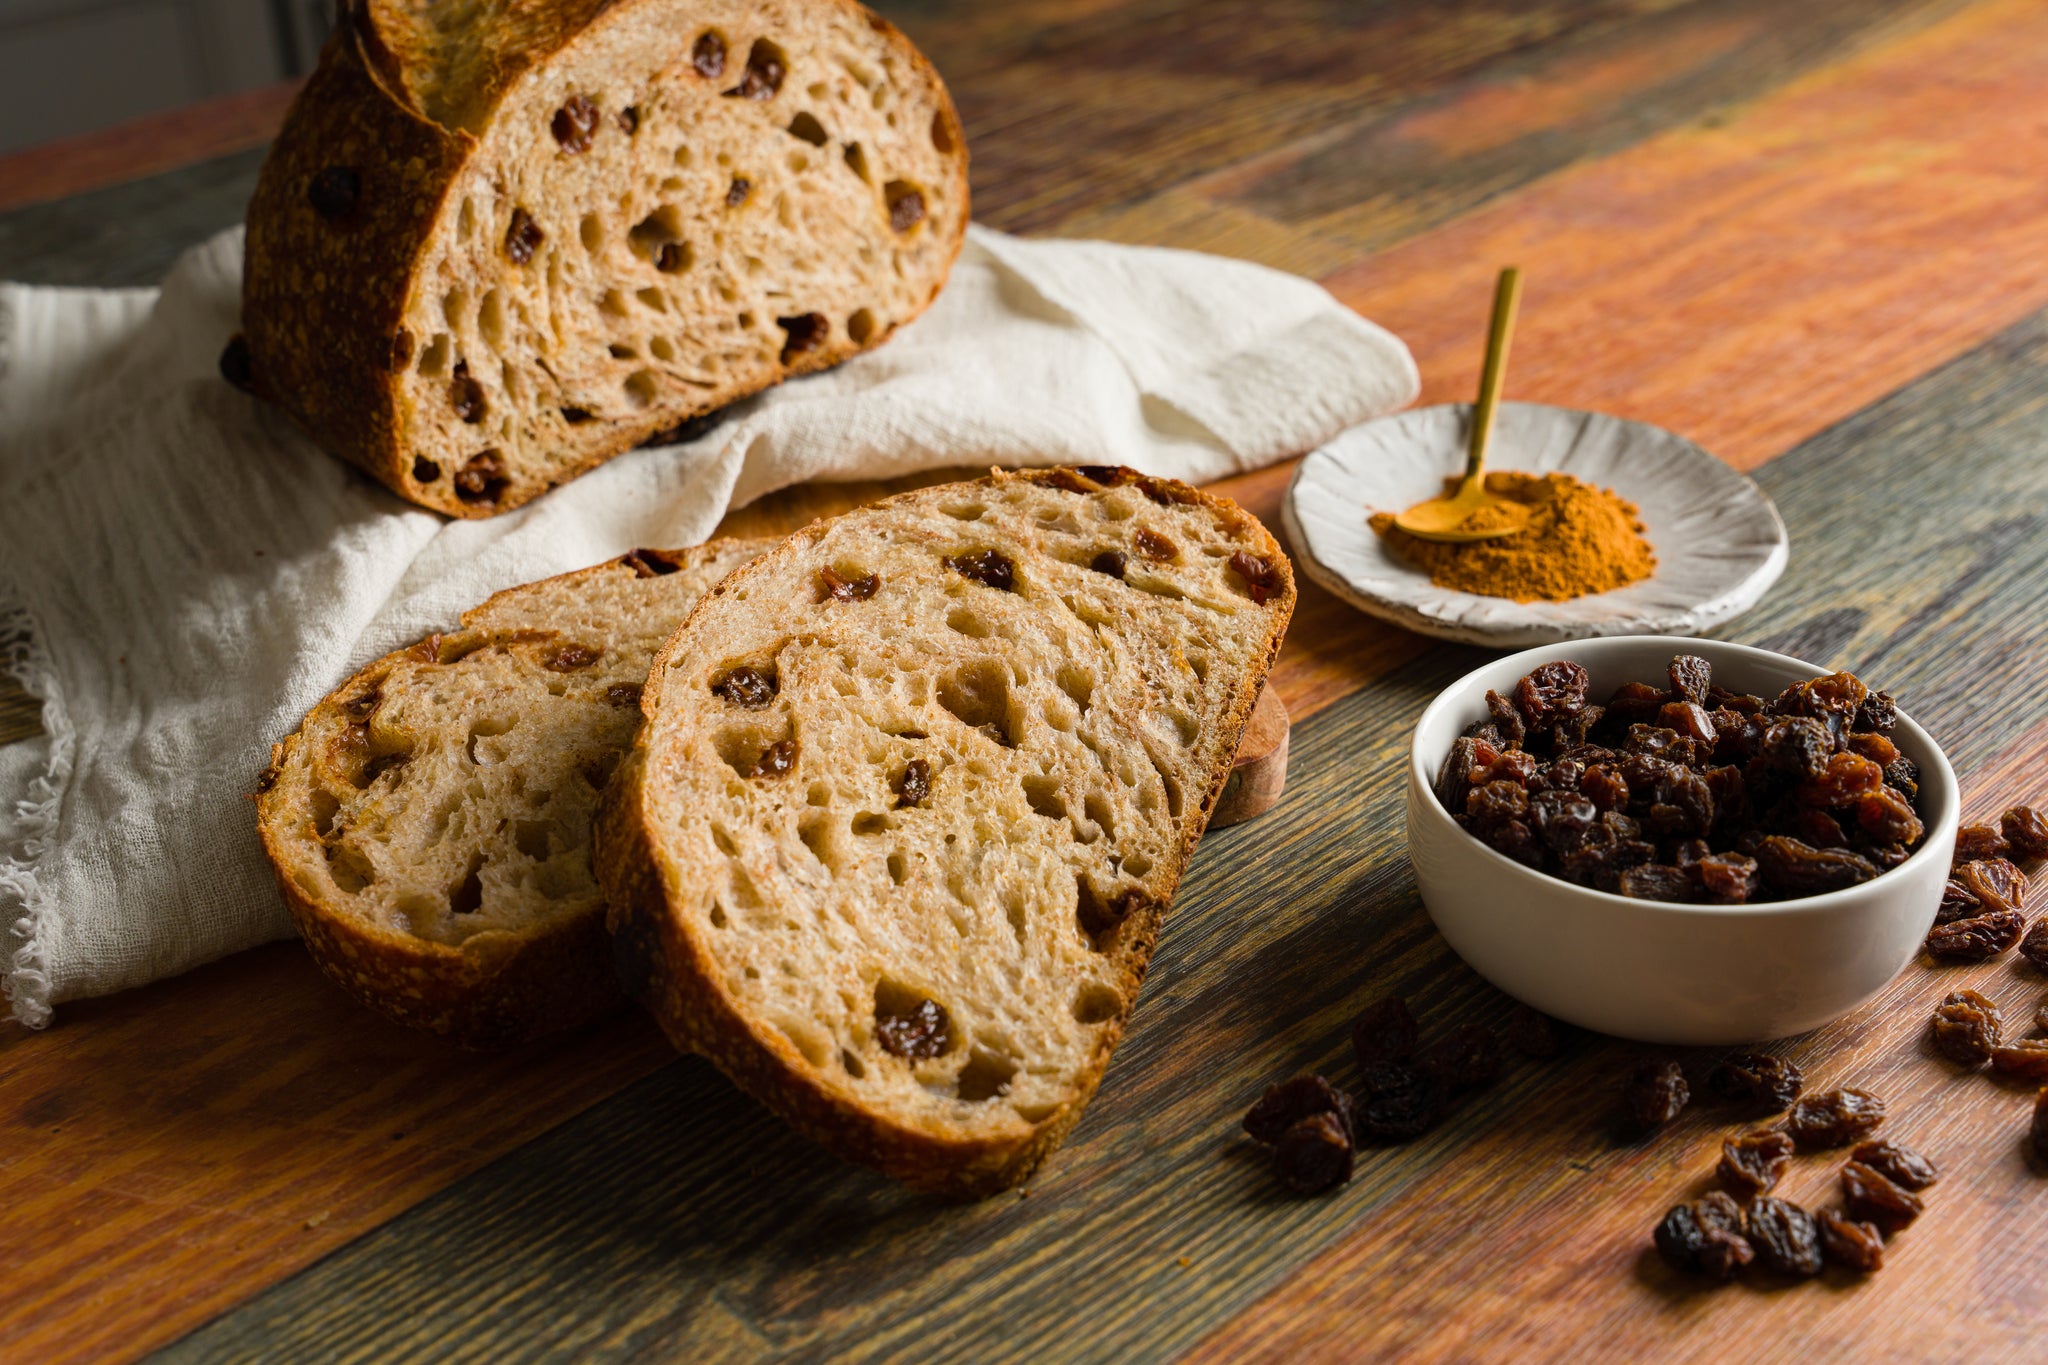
676	1220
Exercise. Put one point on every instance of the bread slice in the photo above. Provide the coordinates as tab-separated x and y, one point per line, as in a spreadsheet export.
914	791
429	822
501	241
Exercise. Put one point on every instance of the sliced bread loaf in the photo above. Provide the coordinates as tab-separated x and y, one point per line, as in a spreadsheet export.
914	792
500	241
429	822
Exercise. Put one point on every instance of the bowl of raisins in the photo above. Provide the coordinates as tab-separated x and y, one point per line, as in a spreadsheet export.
1679	841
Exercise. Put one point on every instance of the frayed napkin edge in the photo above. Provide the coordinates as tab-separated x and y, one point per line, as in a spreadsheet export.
28	831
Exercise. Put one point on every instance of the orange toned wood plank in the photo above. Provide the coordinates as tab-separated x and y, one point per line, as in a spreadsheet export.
164	1150
144	146
1752	283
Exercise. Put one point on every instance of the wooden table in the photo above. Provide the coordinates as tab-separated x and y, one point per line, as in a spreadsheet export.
1807	235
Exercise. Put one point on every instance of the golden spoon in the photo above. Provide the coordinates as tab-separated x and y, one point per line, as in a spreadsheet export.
1458	518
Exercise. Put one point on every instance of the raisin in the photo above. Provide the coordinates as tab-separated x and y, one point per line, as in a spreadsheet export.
1385	1032
466	395
1572	731
1847	778
775	760
1551	692
1106	475
334	190
1261	577
1799	869
1887	815
2025	828
235	366
707	56
1507	717
1401	1101
1726	878
1838	694
2034	947
401	349
1856	1247
1658	742
763	76
1899	1164
1562	820
2022	1059
736	193
482	478
575	124
1470	1059
1795	747
1834	1119
1978	841
991	567
1903	774
914	784
838	589
1533	1033
1818	828
1765	1083
523	237
1878	715
1287	1103
1689	720
1753	1162
629	120
1654	1094
921	1031
569	658
1632	703
1975	939
1705	1236
1967	1027
1656	882
1876	748
1957	902
1604	786
672	257
1995	883
803	333
1495	802
1110	562
906	210
1871	1197
1152	545
623	694
746	687
2037	1130
1314	1155
649	563
1784	1236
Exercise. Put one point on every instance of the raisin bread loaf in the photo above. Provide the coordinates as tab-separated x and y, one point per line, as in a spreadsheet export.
430	820
501	241
914	791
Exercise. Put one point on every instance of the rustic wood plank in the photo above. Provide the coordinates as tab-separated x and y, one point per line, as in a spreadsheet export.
675	1218
1920	555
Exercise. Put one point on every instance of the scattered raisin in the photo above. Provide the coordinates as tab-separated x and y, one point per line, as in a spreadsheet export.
1785	1237
803	333
1758	1080
575	124
1967	1027
736	193
1957	902
235	366
1533	1033
1654	1094
1286	1103
1384	1032
1152	545
992	567
1705	1236
623	694
1897	1163
919	1033
838	589
1401	1101
482	478
522	237
2022	1059
1975	939
906	210
1753	1162
1261	576
334	190
569	658
1869	1195
1314	1155
775	760
914	784
1978	841
746	687
2034	947
1857	1247
707	56
2025	828
1110	562
1469	1059
1995	883
1834	1119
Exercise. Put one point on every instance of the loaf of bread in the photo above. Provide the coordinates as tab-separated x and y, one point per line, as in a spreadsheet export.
429	822
501	241
914	791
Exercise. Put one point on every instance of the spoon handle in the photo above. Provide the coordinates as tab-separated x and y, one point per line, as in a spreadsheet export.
1507	297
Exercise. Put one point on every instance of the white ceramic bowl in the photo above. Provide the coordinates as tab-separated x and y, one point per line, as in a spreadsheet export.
1658	972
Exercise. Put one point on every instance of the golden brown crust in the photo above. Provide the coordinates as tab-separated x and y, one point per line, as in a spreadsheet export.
680	985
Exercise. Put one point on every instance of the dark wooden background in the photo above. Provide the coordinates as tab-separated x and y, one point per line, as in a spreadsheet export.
1807	236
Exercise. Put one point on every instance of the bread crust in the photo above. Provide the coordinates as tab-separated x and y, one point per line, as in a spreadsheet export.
679	984
325	298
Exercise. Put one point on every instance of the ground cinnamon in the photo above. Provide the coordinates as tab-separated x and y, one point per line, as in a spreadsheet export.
1580	539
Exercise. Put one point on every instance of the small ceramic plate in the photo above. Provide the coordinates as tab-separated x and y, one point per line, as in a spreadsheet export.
1719	541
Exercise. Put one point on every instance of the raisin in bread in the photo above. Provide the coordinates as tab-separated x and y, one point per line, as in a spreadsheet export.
914	792
429	822
501	241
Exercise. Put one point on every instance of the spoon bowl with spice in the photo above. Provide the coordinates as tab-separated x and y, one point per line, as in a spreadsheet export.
1630	529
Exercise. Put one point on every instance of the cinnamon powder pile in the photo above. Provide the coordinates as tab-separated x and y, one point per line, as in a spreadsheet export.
1580	539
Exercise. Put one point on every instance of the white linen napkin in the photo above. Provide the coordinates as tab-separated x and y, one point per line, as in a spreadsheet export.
183	575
